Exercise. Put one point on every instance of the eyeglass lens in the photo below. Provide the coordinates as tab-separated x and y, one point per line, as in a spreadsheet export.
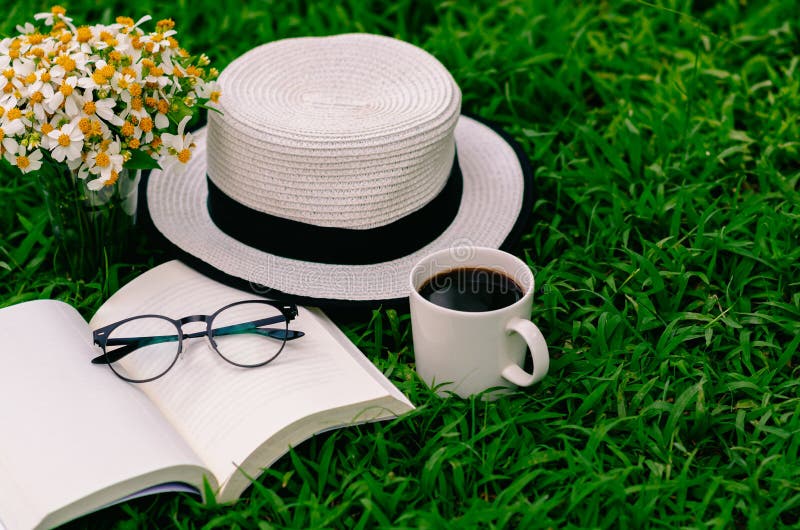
249	333
146	348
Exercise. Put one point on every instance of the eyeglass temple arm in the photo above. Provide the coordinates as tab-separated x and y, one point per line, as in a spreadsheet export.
131	344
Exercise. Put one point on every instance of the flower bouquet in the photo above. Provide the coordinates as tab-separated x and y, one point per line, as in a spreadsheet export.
83	109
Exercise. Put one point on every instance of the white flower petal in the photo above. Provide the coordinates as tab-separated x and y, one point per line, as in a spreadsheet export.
95	184
161	121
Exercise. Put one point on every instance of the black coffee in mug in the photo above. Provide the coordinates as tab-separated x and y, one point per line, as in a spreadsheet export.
471	289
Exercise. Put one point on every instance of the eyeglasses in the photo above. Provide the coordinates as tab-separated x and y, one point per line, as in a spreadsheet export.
151	344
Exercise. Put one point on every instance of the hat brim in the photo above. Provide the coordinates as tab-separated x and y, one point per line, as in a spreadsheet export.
496	199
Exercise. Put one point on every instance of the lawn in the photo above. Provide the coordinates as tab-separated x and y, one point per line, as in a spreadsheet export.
665	142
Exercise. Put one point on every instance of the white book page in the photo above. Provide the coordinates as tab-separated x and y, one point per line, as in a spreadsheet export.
69	429
226	412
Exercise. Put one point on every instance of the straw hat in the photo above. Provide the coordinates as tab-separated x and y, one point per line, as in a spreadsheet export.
336	164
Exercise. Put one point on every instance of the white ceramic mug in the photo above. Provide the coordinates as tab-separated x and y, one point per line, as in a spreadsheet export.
469	352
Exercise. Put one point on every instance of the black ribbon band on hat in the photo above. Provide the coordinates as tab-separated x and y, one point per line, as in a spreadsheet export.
322	244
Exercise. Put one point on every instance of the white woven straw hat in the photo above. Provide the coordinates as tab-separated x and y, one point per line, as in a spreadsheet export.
336	163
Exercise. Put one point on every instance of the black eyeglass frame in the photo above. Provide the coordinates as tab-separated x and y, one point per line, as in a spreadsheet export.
288	313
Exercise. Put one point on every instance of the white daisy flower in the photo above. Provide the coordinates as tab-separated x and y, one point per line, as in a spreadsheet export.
26	162
159	40
103	108
69	142
46	142
103	162
51	17
179	146
9	129
207	90
159	77
68	96
120	83
38	95
15	73
135	108
55	74
98	79
144	131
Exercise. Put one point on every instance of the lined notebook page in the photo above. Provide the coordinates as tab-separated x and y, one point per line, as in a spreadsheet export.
223	411
69	428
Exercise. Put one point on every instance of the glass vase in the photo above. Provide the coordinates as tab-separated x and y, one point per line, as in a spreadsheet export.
92	229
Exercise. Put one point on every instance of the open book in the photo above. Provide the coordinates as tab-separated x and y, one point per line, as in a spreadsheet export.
75	438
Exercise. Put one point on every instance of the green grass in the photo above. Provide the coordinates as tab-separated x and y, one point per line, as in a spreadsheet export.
665	141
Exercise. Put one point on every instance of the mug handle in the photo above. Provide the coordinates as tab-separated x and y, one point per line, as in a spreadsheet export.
539	353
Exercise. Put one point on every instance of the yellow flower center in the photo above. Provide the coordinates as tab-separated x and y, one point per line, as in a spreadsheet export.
146	124
2	111
57	10
107	70
66	89
184	155
64	140
35	38
37	52
102	159
66	62
134	143
65	37
45	77
163	106
127	129
47	128
135	89
99	78
156	71
14	113
85	125
37	97
30	78
214	96
84	34
89	107
13	53
9	74
97	129
125	21
136	103
23	162
2	134
165	24
113	178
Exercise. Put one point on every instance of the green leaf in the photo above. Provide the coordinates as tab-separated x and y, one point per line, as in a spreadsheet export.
141	160
208	494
